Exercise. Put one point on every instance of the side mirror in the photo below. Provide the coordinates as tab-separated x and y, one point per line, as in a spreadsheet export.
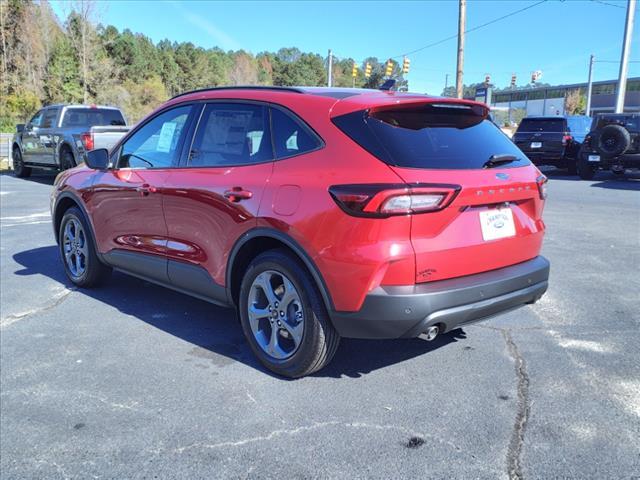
20	127
97	159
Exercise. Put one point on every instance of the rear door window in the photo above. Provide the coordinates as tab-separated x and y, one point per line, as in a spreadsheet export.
541	125
430	136
232	134
291	136
92	117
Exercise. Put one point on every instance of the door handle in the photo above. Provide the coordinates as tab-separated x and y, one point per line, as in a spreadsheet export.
237	193
145	189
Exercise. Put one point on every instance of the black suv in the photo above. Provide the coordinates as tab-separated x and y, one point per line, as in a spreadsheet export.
552	140
613	144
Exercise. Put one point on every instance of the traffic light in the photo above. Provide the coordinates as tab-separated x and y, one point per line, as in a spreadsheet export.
406	63
534	77
513	80
367	70
389	69
487	79
354	70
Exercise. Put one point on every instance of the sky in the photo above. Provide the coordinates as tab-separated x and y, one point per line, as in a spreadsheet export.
555	36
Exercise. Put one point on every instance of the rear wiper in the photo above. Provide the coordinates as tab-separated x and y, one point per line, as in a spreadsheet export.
495	160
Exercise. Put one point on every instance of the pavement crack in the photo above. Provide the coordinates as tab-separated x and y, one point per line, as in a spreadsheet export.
314	426
57	300
514	452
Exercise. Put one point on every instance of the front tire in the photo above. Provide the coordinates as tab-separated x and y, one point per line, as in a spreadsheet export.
78	252
19	168
586	171
284	317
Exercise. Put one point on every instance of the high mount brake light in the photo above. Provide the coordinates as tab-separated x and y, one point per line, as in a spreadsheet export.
385	200
566	139
87	141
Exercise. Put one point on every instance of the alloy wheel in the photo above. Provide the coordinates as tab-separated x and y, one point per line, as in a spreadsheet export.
275	314
74	244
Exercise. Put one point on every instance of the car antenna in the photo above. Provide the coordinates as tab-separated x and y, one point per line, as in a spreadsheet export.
388	85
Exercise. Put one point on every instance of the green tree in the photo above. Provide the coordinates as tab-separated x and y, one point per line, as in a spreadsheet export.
63	74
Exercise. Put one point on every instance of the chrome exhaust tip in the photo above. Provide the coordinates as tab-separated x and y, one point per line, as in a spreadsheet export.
431	333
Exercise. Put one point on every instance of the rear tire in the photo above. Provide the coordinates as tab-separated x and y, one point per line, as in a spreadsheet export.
78	252
66	160
19	168
284	317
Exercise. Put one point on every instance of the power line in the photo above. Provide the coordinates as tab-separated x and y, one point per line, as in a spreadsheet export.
515	12
608	4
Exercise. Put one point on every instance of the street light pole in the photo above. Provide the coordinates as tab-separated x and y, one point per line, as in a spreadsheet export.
624	59
589	84
462	20
329	68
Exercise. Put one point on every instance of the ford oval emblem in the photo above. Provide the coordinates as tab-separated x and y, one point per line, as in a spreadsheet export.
503	176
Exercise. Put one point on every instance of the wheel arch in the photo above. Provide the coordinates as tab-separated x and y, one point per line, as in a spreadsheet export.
259	240
64	202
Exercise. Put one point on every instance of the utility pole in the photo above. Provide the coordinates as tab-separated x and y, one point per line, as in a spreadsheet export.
329	68
446	83
624	58
462	20
590	84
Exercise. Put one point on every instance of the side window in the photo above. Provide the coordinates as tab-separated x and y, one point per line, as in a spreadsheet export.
290	137
36	120
231	134
157	143
49	118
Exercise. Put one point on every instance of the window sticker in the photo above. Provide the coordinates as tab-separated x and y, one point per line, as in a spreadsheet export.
166	137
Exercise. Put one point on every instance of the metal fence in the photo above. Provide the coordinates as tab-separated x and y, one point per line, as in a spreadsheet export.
5	145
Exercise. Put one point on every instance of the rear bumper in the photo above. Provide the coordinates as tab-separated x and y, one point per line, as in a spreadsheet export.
629	160
407	311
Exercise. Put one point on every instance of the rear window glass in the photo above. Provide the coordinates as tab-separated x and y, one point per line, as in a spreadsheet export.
631	122
541	125
430	136
92	117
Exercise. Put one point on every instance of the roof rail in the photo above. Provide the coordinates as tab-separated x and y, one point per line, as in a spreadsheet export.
242	87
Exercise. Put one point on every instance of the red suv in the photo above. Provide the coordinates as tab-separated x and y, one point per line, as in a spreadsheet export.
318	213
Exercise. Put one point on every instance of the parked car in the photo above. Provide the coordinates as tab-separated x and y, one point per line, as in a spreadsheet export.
613	144
553	140
318	213
58	136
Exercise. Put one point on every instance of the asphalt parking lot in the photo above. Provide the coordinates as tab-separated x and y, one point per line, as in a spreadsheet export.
136	381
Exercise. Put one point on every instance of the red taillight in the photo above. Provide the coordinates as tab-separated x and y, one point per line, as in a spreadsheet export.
566	139
385	200
542	186
87	141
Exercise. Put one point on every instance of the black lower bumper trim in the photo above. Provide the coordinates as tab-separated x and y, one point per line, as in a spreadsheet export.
407	311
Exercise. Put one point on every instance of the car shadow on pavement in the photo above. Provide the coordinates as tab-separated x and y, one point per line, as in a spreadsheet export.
44	177
214	331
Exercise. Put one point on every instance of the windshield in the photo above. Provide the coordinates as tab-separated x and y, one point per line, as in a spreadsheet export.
92	117
541	125
430	136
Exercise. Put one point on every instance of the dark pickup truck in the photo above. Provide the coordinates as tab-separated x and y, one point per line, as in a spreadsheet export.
553	140
59	136
612	144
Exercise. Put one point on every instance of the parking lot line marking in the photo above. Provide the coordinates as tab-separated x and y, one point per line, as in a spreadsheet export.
58	299
27	217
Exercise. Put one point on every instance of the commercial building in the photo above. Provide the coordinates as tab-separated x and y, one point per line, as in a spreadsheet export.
551	100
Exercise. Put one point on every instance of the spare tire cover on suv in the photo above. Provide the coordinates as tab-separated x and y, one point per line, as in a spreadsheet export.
612	140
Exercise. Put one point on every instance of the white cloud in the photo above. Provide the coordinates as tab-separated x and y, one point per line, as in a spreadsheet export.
221	38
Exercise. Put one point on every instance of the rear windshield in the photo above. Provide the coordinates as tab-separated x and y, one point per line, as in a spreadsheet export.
541	125
430	136
92	117
630	122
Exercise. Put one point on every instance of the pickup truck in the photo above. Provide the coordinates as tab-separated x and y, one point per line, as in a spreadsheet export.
59	136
